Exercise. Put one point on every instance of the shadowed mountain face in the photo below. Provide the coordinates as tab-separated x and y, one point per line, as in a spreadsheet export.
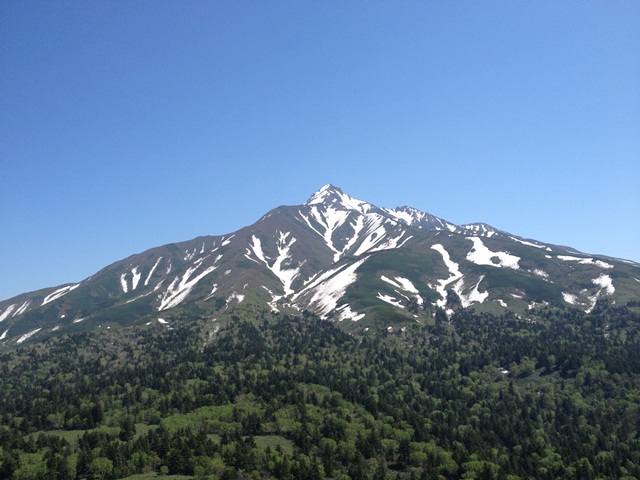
340	257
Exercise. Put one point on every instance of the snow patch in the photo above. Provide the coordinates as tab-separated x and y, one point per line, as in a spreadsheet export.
454	270
123	282
390	300
585	261
286	275
7	312
374	232
139	297
331	220
235	296
393	243
474	295
404	284
135	278
345	313
570	298
540	273
26	336
227	241
162	320
530	244
180	287
331	286
59	293
605	283
214	289
155	265
22	308
481	255
4	334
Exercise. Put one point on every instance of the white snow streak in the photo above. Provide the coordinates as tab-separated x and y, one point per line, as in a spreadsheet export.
585	261
472	296
481	255
135	278
540	273
390	300
213	291
285	275
235	296
605	282
180	287
374	231
140	296
331	286
393	243
330	221
153	269
4	334
59	293
345	313
22	309
26	336
7	312
454	270
530	244
570	298
227	241
404	284
123	282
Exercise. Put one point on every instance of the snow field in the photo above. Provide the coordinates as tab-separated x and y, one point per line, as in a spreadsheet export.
481	255
329	288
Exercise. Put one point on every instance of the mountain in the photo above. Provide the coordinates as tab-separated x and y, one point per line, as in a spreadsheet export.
337	256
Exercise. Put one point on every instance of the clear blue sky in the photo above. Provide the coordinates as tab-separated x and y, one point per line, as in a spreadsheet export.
127	125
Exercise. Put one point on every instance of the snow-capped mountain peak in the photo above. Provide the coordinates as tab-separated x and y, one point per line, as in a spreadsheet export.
337	256
332	197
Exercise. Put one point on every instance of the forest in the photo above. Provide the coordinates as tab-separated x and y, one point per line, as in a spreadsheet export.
268	395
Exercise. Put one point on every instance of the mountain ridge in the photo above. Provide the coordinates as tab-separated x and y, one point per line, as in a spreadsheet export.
338	256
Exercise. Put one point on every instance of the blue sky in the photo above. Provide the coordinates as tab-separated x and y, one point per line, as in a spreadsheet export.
129	125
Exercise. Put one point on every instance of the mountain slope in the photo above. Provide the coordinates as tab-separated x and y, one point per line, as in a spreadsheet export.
338	256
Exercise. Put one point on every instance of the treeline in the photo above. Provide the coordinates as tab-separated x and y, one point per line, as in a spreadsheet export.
553	395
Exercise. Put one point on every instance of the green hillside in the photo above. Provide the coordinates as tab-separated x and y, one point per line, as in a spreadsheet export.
554	395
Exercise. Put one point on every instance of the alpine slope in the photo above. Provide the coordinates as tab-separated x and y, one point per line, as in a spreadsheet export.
341	258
